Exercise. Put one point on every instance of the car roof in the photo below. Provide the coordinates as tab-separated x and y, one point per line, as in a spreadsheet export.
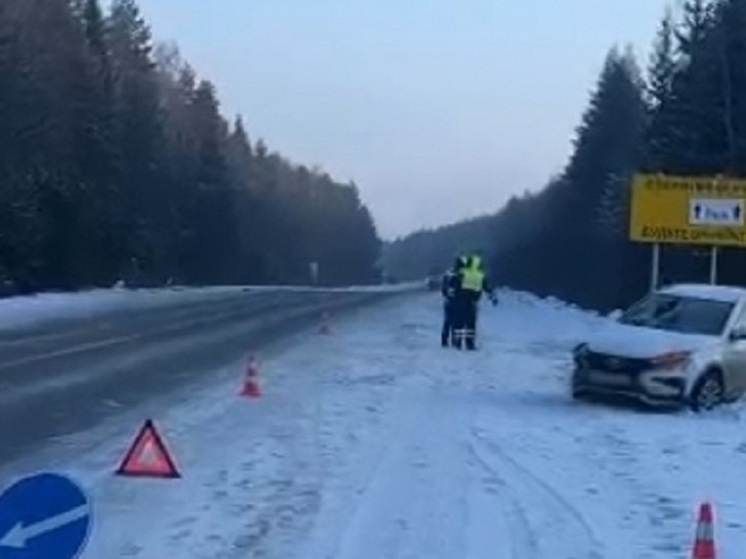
721	293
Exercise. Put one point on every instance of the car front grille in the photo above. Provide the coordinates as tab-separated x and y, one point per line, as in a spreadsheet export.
613	363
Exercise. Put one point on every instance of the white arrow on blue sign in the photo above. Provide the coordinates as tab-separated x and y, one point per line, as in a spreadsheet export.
718	211
44	516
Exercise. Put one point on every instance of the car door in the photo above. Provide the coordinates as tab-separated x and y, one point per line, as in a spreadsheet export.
734	357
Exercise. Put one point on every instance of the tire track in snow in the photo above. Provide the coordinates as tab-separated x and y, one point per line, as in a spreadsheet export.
414	502
523	539
553	526
655	500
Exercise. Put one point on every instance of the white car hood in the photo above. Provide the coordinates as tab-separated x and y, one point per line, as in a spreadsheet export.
624	340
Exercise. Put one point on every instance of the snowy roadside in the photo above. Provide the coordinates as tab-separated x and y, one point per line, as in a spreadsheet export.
17	312
375	442
385	288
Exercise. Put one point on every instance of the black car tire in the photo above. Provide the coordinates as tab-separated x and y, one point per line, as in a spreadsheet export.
708	392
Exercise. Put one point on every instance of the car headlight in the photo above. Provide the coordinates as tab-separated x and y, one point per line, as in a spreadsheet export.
579	352
672	360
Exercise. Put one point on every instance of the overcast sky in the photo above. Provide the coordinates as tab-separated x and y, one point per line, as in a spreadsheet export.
438	109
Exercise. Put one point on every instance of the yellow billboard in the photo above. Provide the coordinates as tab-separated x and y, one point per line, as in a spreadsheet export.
688	210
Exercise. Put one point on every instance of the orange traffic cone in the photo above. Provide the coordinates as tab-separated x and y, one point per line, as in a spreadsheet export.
251	388
326	327
704	542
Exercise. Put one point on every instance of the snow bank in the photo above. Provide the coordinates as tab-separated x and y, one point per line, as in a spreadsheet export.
548	319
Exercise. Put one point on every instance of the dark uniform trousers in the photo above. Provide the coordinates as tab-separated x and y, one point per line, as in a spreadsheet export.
465	317
449	290
469	322
446	334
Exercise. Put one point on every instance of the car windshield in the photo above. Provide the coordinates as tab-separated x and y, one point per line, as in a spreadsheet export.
688	315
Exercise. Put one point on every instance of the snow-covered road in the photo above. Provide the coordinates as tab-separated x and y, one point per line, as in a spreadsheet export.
376	443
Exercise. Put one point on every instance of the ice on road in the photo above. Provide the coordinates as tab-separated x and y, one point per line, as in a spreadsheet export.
374	442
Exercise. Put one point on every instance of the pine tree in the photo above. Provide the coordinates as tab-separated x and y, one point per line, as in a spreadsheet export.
239	158
97	154
10	79
215	229
239	155
697	102
115	161
662	64
140	136
697	16
660	136
730	42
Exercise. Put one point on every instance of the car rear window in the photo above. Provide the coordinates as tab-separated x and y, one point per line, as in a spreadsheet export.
687	315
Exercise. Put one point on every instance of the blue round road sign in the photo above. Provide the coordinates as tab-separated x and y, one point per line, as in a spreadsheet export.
44	516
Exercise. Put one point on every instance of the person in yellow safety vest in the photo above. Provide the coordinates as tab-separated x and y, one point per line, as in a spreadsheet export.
474	282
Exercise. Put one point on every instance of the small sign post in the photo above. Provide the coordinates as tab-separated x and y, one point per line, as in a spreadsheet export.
655	267
714	266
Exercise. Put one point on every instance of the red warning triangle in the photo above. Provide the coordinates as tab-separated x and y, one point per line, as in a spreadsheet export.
148	456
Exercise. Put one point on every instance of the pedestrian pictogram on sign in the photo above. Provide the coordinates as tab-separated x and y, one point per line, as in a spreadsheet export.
44	516
148	456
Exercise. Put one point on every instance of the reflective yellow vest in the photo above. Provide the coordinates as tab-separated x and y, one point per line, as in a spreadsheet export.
472	277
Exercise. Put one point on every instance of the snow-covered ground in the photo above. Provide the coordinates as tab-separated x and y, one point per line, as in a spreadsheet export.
374	442
16	312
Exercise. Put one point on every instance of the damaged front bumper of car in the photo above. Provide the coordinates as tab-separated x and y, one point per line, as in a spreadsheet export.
637	379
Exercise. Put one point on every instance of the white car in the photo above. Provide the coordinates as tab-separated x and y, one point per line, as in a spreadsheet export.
683	345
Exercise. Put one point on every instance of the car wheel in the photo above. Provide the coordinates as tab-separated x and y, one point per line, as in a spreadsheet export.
708	392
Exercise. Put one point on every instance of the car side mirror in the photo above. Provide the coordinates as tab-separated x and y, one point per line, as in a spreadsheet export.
737	334
616	314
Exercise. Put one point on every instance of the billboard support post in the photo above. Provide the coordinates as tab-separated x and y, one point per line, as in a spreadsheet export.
655	266
714	265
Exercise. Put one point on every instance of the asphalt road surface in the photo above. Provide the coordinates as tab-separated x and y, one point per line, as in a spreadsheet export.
63	377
